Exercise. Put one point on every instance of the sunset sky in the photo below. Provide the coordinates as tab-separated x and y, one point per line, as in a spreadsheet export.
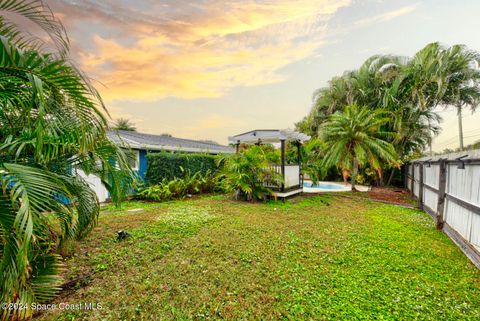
209	69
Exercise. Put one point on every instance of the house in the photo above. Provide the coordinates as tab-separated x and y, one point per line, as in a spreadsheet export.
141	144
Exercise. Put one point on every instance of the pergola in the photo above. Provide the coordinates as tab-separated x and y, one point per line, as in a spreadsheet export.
291	173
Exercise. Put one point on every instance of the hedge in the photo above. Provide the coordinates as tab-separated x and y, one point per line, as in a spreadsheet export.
169	165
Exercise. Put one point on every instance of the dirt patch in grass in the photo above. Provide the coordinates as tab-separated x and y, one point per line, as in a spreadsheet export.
314	257
390	194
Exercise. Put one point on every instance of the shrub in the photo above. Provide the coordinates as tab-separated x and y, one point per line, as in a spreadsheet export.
197	183
245	173
169	166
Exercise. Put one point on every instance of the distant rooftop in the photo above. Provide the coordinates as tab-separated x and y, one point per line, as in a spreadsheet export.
142	141
268	136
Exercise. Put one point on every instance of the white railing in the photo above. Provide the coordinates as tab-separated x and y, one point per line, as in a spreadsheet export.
292	175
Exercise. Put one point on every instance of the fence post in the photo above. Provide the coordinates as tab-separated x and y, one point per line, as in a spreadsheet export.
413	179
442	182
420	186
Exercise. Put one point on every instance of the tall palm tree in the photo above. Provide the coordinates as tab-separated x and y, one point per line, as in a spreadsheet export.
355	137
462	77
52	124
124	124
448	76
422	83
408	88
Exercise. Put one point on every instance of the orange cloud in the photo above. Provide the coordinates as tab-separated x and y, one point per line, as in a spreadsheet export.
207	48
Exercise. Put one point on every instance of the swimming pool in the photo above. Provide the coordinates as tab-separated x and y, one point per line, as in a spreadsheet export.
324	187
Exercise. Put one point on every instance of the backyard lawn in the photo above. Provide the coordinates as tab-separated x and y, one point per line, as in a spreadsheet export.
319	257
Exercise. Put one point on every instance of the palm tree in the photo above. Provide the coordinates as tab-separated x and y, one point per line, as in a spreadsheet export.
462	77
408	88
355	137
312	153
51	125
438	75
124	124
246	172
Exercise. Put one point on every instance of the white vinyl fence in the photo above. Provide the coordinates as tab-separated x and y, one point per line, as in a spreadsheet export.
448	188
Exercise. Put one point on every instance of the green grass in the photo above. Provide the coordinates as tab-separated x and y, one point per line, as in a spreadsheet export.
322	257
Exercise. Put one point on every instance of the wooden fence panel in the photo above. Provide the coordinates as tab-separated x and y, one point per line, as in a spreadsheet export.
430	199
416	184
431	185
409	176
458	218
431	174
448	188
475	231
464	183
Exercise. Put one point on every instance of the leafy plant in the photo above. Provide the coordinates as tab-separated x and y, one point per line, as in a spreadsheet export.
51	125
409	88
355	137
313	153
250	174
124	124
175	165
197	183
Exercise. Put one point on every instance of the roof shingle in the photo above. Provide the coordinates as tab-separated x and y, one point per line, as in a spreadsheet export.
142	141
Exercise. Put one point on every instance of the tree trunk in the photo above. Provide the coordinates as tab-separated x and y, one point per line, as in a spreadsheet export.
354	174
390	178
345	175
380	177
460	126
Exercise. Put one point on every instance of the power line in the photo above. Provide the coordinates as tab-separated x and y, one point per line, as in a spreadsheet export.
477	135
449	140
452	141
472	130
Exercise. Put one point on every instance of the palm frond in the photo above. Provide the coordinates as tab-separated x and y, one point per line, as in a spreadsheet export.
41	15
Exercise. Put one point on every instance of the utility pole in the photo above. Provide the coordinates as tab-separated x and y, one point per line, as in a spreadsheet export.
430	140
460	126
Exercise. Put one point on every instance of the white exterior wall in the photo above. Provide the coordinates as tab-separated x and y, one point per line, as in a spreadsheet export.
96	185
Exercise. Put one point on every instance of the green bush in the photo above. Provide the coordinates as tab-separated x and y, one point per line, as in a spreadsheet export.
197	183
246	173
169	166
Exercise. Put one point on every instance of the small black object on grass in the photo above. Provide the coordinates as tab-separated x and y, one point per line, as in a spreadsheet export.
121	235
324	202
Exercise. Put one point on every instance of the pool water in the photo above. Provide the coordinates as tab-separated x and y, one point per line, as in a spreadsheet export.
325	186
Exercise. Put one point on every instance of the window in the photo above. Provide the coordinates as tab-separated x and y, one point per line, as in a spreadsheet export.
134	159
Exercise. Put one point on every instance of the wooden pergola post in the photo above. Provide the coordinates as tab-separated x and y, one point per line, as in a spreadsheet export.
282	166
237	147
